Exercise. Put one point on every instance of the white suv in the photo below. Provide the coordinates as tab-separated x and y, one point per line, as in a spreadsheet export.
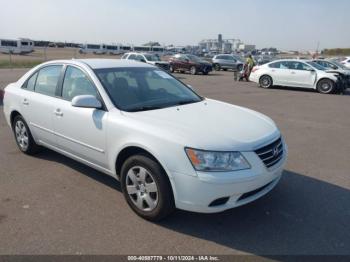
148	58
167	145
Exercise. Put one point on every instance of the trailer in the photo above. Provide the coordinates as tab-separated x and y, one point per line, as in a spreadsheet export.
20	46
93	49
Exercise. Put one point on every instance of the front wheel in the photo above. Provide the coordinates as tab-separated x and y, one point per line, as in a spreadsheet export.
146	188
171	69
24	138
326	86
193	70
265	81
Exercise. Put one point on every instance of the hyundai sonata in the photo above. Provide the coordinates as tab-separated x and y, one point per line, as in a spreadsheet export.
169	147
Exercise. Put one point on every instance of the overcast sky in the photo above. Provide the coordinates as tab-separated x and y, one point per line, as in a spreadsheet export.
293	24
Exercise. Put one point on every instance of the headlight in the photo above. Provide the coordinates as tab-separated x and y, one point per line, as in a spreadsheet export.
216	161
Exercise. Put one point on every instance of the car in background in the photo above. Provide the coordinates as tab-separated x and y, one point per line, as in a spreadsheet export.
346	62
169	147
296	73
189	63
336	67
262	59
225	62
148	58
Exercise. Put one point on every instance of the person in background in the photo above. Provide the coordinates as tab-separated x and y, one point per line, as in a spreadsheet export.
250	62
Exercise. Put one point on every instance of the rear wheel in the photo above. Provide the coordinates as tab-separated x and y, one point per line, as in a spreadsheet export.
193	70
146	188
265	81
326	86
240	68
24	138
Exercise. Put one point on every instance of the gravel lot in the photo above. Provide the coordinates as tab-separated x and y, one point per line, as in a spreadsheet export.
50	204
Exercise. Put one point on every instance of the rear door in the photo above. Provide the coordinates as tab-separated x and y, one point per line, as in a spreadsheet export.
39	98
279	72
80	131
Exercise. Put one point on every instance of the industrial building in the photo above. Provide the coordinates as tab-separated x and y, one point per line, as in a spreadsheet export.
221	45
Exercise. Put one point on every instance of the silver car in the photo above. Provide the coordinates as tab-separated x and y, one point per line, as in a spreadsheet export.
225	62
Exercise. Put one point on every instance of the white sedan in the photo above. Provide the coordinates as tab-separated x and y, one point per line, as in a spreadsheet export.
296	73
346	62
169	147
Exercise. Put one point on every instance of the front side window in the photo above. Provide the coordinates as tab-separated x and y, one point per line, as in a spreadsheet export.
47	80
140	89
76	83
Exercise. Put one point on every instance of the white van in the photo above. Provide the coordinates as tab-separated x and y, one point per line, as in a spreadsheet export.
93	49
21	46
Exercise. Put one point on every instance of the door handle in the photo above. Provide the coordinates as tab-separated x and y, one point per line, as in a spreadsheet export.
25	101
293	73
58	112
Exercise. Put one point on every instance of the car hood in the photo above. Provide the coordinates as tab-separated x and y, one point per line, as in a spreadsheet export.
209	125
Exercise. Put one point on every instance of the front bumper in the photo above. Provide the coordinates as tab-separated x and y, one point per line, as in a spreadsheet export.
198	193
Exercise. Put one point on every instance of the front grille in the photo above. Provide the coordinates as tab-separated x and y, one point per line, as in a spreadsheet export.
272	153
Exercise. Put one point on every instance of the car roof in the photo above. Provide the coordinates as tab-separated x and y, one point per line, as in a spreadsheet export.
104	63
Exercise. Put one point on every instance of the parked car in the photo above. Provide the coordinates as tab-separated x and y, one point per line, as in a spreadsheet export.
226	62
346	62
148	58
189	63
335	67
296	73
169	147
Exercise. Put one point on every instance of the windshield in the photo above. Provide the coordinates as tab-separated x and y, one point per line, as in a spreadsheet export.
317	66
141	89
194	58
154	58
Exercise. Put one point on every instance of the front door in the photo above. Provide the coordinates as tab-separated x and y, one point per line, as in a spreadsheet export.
80	131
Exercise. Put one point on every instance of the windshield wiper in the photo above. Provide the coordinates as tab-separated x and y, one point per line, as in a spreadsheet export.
186	102
144	108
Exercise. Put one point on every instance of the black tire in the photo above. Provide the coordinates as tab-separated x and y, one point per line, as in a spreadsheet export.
193	70
30	147
217	67
205	72
239	68
165	200
265	81
326	86
225	69
171	69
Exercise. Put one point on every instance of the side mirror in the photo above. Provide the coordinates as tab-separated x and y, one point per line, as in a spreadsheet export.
190	87
310	70
143	61
86	101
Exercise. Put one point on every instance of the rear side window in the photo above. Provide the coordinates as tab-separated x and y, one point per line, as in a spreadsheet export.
132	57
31	82
47	80
76	83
